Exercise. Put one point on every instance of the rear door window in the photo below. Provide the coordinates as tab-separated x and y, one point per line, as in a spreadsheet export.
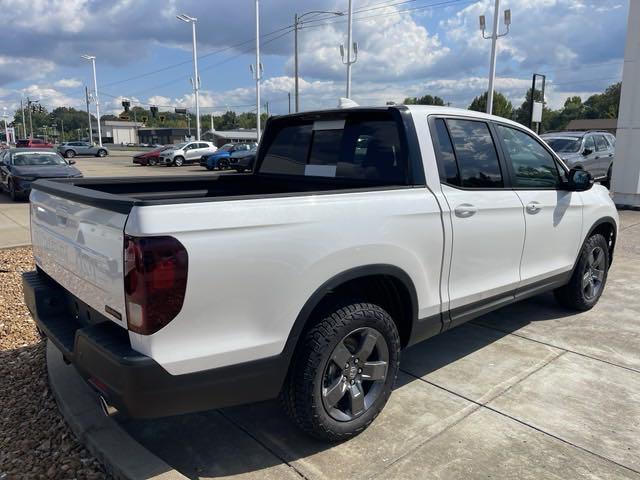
475	153
601	143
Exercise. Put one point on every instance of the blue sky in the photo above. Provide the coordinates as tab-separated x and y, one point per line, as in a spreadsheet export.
406	48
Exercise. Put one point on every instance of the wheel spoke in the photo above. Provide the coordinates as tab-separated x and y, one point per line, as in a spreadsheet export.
586	279
335	392
599	274
374	371
589	290
356	394
368	345
341	355
592	258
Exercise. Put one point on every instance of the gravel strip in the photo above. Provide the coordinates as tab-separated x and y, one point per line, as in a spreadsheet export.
35	441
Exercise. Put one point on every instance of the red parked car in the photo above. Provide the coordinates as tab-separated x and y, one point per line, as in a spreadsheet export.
150	157
33	143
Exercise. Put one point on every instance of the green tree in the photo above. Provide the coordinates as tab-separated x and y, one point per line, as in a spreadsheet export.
605	104
425	100
501	106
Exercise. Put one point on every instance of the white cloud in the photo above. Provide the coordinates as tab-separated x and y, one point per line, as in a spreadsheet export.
68	83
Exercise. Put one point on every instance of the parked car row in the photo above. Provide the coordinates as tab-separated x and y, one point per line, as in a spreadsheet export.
593	151
236	156
20	167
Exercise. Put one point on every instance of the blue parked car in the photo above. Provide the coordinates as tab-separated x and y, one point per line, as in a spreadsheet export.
220	159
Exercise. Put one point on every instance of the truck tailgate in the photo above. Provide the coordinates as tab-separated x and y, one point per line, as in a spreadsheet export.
81	248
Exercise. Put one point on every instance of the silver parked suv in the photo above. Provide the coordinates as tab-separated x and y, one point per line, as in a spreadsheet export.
72	149
594	151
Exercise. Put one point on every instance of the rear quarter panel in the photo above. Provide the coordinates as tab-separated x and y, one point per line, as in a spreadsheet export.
254	263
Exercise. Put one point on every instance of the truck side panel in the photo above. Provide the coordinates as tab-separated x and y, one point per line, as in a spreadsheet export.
259	261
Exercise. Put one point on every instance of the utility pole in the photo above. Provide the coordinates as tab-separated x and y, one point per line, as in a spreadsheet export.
349	61
29	102
195	81
24	123
212	129
289	98
266	107
61	130
86	92
297	23
494	46
92	58
257	71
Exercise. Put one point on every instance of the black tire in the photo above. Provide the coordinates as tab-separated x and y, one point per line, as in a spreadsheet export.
589	277
153	162
101	153
69	154
12	191
315	373
223	164
178	161
607	181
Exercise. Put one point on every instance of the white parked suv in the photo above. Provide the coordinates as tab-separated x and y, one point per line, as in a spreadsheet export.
360	232
187	152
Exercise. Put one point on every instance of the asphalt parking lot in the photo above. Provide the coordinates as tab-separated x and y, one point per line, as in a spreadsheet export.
14	216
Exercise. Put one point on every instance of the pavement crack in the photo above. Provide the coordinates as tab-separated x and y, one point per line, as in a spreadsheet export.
585	355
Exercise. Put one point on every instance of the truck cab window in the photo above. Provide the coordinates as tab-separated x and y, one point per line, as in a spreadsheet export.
476	154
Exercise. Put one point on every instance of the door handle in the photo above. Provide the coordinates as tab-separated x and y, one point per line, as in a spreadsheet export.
533	207
465	210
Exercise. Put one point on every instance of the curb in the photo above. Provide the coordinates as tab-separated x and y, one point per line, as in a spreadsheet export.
121	455
17	245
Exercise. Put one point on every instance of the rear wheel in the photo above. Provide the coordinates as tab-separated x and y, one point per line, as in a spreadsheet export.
69	154
178	161
343	372
589	277
101	153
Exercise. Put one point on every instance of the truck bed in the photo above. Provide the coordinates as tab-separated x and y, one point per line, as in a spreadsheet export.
122	194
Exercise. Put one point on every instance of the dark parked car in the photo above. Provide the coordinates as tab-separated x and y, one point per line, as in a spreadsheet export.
220	159
19	167
243	161
593	151
150	157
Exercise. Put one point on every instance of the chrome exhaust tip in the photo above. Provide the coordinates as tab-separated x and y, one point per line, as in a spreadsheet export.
108	409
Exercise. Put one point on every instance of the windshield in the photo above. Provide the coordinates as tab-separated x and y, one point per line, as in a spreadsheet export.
37	158
180	146
564	144
226	147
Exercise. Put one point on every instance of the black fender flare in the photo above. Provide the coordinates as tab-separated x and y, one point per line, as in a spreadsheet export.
601	221
335	282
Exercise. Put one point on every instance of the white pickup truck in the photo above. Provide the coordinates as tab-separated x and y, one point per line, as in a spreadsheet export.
362	231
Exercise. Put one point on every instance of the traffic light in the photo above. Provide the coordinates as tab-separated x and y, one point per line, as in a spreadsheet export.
162	118
126	104
145	118
40	109
154	111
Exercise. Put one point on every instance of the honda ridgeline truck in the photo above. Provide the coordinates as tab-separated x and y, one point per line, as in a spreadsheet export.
361	231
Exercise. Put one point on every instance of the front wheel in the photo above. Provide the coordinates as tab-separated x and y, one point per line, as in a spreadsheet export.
153	162
69	154
343	372
223	164
589	277
101	153
178	161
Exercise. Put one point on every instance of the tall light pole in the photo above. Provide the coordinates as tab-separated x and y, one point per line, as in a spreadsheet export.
494	45
350	46
196	78
296	26
257	70
24	122
86	94
92	58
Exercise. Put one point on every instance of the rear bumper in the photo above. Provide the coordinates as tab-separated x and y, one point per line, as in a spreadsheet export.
134	383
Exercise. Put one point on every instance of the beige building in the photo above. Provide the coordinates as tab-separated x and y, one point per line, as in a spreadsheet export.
120	132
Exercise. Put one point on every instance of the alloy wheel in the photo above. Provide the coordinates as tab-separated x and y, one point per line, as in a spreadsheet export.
593	275
355	374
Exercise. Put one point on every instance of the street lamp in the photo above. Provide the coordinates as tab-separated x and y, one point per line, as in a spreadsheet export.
350	48
494	40
92	58
195	81
296	25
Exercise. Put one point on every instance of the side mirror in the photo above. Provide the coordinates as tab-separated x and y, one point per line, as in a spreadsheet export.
71	162
580	180
587	151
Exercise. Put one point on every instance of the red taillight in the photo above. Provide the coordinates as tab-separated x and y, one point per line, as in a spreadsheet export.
155	281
